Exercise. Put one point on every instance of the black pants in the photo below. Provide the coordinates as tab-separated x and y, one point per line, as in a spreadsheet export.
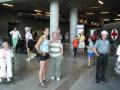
101	66
75	51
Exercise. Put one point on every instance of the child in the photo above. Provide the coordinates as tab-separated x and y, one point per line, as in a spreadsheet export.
75	45
90	52
5	62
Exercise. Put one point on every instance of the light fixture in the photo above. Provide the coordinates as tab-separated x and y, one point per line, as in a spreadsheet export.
89	13
104	12
94	7
33	14
8	5
47	13
37	10
1	1
118	15
81	20
86	21
38	13
100	2
117	19
106	19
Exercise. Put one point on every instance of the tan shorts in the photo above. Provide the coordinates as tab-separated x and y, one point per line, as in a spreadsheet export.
81	45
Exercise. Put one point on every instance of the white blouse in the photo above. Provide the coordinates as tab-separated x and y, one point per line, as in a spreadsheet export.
28	35
8	54
15	34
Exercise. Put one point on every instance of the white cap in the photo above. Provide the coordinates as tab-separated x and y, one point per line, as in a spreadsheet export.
27	28
104	32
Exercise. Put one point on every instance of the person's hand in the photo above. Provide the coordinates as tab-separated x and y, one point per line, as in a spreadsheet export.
98	55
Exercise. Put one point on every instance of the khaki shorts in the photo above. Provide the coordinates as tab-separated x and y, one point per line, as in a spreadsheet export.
81	45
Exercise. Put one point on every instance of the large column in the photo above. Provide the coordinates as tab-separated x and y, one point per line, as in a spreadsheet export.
73	24
54	16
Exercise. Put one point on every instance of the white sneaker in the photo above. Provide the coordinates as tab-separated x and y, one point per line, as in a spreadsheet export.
33	54
0	80
58	79
32	57
52	78
8	79
28	59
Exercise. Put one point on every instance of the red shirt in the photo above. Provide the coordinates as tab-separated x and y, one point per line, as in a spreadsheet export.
75	43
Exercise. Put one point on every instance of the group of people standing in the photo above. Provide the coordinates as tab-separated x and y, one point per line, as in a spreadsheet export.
101	48
79	45
46	49
53	50
7	56
28	39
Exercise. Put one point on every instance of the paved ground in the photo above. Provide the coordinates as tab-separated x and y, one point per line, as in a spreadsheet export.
75	75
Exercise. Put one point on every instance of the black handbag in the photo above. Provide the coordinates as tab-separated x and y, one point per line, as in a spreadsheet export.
41	57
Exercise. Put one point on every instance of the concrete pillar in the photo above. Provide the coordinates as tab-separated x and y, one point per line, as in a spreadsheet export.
73	24
54	16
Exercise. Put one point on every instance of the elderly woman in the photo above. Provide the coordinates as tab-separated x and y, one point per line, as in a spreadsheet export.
56	54
6	56
29	43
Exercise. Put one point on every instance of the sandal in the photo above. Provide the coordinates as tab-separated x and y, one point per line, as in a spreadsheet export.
46	81
42	85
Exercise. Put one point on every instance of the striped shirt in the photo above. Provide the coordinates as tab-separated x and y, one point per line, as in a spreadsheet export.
55	48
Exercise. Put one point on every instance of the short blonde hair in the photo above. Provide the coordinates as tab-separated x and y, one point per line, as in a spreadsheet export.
27	29
55	33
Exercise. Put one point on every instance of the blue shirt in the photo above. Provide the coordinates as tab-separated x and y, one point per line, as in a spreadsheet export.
44	46
91	45
102	46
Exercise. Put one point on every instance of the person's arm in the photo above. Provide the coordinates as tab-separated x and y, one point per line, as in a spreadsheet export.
38	44
95	51
11	33
61	47
95	47
19	35
109	51
72	41
12	55
84	38
26	38
118	51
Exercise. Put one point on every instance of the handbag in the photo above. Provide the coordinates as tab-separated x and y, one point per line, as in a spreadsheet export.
41	57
